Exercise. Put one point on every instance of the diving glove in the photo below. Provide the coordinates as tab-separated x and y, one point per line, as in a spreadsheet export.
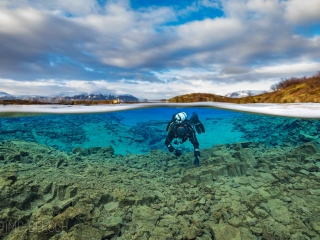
196	161
177	152
197	124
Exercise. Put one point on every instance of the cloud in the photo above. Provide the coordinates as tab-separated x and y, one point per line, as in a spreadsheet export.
234	70
114	44
59	7
32	42
295	68
210	3
295	13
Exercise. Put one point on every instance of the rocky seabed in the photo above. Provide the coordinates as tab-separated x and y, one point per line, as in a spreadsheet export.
242	191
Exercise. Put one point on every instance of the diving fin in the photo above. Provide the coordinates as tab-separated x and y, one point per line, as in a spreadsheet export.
200	128
197	124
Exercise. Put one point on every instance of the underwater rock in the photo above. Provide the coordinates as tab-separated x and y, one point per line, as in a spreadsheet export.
245	155
139	138
84	232
112	224
107	151
299	236
278	210
136	197
305	137
274	131
144	217
80	151
7	179
225	231
260	213
307	148
22	201
167	221
251	221
236	169
64	219
111	206
191	177
274	230
235	222
59	162
247	234
224	155
94	150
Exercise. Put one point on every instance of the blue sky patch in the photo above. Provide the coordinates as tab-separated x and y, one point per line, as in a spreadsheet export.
309	30
187	11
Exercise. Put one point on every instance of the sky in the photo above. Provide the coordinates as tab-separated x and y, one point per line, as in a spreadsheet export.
155	49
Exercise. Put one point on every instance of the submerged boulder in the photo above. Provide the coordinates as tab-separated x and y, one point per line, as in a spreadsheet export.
225	231
106	152
307	148
305	137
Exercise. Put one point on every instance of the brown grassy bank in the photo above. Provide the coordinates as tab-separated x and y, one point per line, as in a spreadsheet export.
293	90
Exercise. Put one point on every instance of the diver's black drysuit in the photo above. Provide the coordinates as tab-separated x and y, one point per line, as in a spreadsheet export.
188	134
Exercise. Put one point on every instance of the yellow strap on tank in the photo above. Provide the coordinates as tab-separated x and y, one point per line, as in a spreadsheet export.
170	126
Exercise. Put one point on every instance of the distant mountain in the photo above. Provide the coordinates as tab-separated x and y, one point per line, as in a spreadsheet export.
247	93
65	97
103	96
6	96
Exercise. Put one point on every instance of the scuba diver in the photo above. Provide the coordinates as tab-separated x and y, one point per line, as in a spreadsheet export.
183	129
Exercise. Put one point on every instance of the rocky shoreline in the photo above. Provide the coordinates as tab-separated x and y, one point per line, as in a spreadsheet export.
241	191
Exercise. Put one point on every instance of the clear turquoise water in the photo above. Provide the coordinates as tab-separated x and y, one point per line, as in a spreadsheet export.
142	130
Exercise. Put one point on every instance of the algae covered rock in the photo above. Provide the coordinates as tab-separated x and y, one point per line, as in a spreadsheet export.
274	230
145	216
307	148
80	151
7	178
135	197
111	206
62	220
106	152
225	231
305	137
84	232
112	223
